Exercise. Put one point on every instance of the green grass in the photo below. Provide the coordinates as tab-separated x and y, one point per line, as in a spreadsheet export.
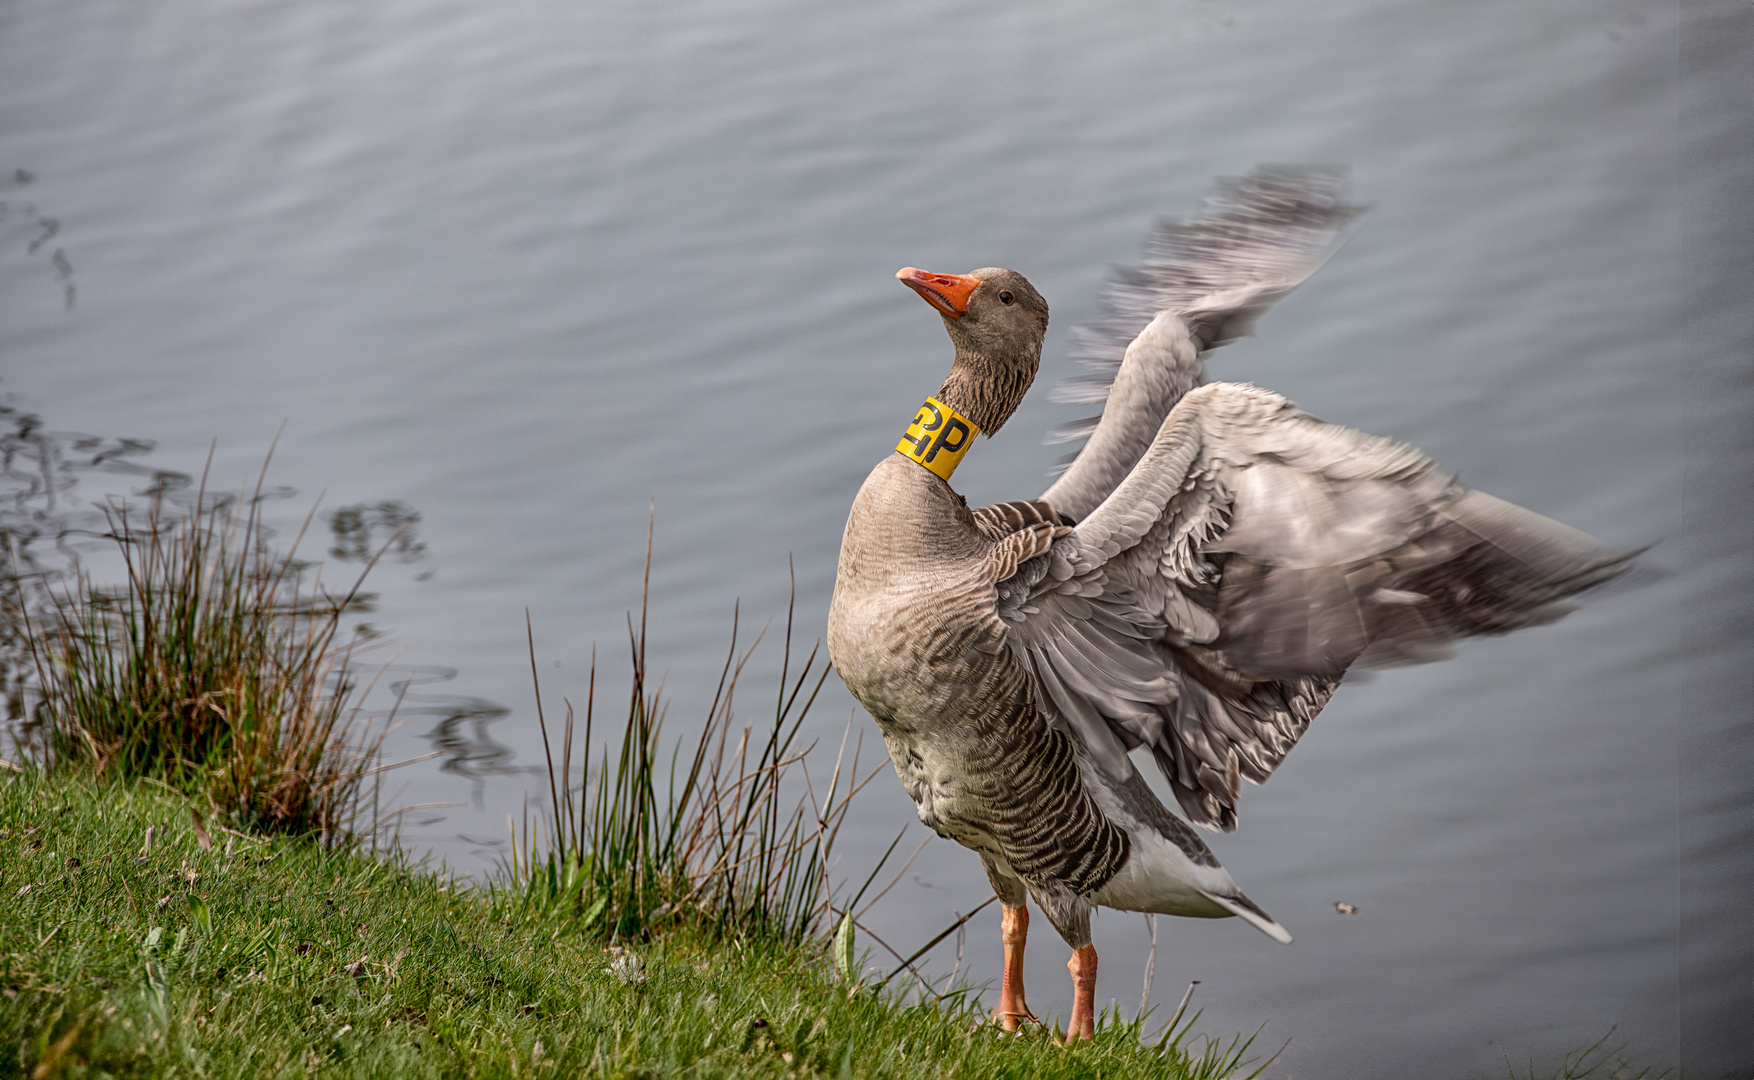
279	957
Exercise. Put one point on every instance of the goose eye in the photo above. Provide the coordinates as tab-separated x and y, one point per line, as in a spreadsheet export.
1006	297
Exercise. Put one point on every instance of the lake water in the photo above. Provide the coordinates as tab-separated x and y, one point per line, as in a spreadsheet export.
538	268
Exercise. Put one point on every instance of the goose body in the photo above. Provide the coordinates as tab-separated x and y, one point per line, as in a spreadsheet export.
1196	582
915	634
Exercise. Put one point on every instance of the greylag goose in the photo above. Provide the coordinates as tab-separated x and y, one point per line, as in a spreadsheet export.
1196	582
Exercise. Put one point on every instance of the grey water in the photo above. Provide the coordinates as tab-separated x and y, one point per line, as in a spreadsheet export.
546	272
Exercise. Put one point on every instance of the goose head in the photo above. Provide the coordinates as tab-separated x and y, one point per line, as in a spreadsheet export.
996	320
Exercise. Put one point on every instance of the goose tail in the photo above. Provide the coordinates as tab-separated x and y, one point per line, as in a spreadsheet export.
1246	910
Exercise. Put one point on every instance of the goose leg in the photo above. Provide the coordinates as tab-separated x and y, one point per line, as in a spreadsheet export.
1070	914
1083	969
1014	932
1012	1012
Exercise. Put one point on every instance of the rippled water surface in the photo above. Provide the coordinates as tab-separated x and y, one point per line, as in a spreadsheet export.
537	268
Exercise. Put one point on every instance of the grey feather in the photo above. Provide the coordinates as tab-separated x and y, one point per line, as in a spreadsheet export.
1203	283
1250	557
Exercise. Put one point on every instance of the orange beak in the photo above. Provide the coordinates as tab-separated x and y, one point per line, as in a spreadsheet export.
947	292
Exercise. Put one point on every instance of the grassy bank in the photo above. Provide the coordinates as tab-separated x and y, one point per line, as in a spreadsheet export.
257	956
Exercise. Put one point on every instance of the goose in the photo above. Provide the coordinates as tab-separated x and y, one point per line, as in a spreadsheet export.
1196	582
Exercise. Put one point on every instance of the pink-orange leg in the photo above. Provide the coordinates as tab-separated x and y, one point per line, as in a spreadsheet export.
1083	969
1013	931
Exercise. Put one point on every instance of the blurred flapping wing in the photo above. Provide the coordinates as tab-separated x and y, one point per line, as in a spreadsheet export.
1203	282
1208	607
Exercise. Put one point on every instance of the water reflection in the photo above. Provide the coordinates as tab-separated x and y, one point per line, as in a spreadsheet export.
463	736
364	531
41	228
44	527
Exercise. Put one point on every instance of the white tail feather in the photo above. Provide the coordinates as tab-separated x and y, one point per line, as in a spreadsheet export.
1243	908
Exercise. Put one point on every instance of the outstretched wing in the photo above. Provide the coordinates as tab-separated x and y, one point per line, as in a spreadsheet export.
1208	607
1203	283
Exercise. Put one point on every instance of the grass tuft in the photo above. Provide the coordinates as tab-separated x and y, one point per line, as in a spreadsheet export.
731	842
1603	1059
219	667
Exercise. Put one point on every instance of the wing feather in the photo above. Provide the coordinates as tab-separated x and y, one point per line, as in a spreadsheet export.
1208	607
1203	283
1232	556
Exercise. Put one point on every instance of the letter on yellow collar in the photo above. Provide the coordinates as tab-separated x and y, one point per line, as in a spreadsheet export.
938	437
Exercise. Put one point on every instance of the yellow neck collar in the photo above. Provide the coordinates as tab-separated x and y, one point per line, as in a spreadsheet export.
938	437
